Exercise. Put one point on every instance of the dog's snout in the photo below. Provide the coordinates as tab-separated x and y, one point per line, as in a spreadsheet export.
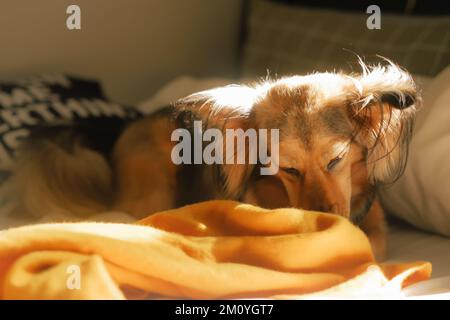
319	195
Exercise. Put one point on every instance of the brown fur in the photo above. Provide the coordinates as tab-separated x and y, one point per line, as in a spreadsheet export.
340	136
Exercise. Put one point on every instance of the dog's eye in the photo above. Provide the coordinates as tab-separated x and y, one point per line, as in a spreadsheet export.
292	171
333	163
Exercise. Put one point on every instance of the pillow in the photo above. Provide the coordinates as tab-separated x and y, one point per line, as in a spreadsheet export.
421	195
49	100
284	40
179	88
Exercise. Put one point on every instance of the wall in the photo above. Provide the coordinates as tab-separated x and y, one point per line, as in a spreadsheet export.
133	46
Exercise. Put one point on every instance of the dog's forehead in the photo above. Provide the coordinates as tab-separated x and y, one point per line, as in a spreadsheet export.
335	120
307	107
309	93
310	127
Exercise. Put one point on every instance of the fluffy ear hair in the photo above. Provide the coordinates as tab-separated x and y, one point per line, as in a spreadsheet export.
224	108
383	112
220	104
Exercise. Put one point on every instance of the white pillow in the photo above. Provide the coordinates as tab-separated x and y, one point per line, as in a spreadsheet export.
179	88
422	195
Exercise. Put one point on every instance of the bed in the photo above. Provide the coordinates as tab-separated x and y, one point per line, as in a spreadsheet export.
405	242
271	42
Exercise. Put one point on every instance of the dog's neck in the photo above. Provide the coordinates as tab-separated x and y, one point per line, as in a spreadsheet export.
361	207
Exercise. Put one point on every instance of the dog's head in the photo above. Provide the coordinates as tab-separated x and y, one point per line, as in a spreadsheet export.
339	135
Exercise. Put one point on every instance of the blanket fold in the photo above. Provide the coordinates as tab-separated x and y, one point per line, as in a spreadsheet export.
215	249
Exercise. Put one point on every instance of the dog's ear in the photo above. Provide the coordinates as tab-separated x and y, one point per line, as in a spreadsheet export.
383	109
225	108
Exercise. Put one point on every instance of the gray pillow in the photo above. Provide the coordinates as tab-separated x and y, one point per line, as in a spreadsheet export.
284	40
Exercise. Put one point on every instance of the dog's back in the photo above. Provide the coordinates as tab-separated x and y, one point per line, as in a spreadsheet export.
94	166
65	170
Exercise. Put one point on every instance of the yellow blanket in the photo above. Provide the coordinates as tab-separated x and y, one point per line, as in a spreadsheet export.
217	249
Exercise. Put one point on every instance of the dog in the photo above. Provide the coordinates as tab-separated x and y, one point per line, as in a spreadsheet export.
340	137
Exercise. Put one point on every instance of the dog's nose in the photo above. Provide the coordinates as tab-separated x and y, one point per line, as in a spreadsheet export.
323	207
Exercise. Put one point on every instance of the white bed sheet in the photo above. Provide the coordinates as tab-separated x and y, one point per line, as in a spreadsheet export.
405	243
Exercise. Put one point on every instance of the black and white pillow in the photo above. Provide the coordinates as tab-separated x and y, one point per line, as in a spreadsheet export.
50	100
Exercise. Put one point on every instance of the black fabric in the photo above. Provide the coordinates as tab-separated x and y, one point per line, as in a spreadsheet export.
418	7
47	104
